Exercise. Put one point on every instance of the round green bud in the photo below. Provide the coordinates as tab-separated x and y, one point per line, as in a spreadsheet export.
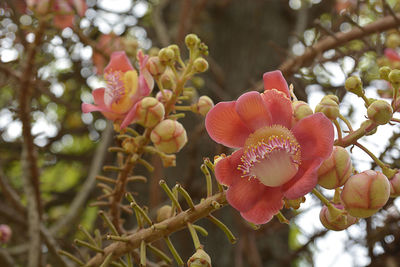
329	107
365	193
380	112
200	65
191	40
354	84
384	72
301	110
393	40
394	77
166	54
176	50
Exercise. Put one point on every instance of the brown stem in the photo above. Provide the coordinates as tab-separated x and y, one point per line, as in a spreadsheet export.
159	230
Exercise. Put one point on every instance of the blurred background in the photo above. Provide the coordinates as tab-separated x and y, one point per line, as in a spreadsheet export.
245	39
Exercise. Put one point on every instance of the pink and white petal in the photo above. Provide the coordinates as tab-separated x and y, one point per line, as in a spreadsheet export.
224	125
226	169
244	193
269	205
279	106
275	80
304	181
130	116
391	54
315	136
253	111
98	96
118	62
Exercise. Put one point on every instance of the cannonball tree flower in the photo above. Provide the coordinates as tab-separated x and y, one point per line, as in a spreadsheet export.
277	156
118	100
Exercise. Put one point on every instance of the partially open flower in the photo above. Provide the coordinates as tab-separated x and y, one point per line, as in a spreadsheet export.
169	136
276	158
199	259
335	170
5	233
149	112
365	193
124	89
336	218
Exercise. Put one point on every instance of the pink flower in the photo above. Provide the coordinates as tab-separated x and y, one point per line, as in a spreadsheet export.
391	54
5	233
277	157
124	89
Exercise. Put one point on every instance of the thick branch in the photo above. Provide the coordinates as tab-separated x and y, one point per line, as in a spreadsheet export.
159	230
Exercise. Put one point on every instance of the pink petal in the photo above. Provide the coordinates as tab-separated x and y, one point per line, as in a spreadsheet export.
224	125
252	110
226	169
86	108
391	54
119	62
279	106
80	6
315	136
275	80
98	96
129	118
269	204
243	194
304	181
146	81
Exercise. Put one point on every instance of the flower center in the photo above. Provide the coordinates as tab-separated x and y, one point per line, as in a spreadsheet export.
272	155
115	89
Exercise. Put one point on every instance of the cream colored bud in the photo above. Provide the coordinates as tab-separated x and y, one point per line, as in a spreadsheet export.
154	66
354	84
336	169
393	40
167	79
149	112
166	55
169	136
163	213
301	110
200	65
394	77
204	105
191	40
329	107
380	112
384	72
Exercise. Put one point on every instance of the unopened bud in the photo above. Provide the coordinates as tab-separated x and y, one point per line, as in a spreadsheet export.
199	259
294	203
166	55
336	218
165	96
394	78
380	112
336	169
163	213
191	40
149	112
365	193
5	233
167	80
204	105
393	40
169	136
203	49
353	84
329	107
176	50
200	65
384	73
301	110
154	66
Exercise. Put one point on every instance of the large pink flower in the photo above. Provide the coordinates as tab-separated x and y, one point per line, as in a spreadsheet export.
276	158
124	89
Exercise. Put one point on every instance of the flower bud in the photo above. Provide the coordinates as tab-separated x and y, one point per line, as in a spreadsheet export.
200	65
169	136
164	98
203	49
149	112
336	169
384	73
380	112
301	110
176	50
154	66
336	218
163	213
393	41
191	40
394	77
167	80
332	97
365	193
199	259
204	105
353	84
294	203
5	233
166	55
395	185
329	107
